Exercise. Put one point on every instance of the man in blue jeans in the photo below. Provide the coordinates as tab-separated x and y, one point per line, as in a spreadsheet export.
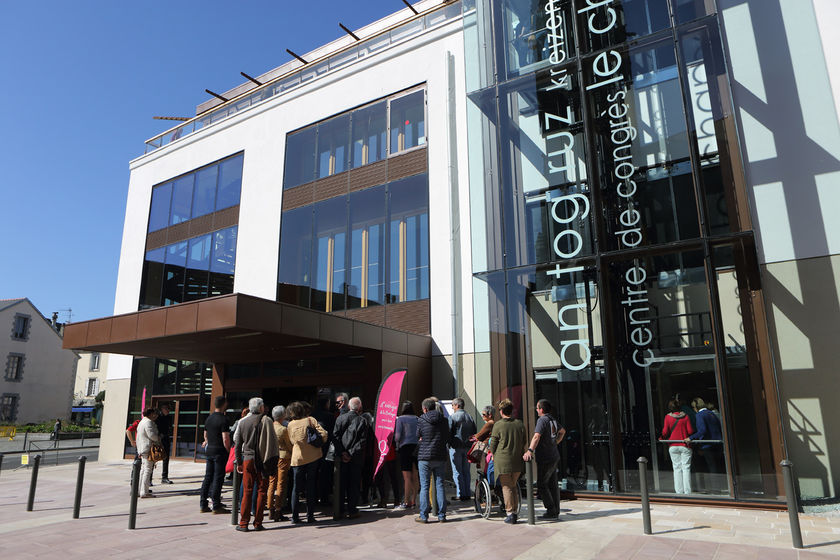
217	449
432	433
461	429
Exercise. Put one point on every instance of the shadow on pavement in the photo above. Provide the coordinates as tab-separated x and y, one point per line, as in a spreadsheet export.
110	515
170	526
64	507
597	514
681	530
821	544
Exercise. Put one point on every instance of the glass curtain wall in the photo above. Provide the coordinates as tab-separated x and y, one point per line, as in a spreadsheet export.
610	257
368	248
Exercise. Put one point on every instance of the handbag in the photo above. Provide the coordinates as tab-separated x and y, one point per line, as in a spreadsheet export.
477	451
156	453
313	438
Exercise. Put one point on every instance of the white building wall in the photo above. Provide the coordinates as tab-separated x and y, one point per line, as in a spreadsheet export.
261	132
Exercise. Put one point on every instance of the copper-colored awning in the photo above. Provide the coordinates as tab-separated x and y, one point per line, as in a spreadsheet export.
237	328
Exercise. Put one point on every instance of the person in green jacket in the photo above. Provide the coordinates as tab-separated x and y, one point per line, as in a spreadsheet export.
507	444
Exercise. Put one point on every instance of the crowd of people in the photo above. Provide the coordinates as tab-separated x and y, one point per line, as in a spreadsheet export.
286	457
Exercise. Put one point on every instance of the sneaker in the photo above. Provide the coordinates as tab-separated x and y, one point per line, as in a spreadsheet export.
510	519
421	519
220	510
549	515
259	528
442	519
243	529
205	509
401	507
166	481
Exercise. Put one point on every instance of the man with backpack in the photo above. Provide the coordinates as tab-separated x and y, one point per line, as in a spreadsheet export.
548	433
461	429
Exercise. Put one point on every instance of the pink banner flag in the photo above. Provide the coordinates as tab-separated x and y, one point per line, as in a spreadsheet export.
143	402
387	403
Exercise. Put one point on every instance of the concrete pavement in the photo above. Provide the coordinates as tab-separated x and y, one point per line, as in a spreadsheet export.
171	524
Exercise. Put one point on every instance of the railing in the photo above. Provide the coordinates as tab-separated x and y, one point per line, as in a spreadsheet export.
436	17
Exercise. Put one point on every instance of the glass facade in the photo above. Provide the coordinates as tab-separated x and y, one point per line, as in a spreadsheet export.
359	137
189	270
612	264
367	248
198	193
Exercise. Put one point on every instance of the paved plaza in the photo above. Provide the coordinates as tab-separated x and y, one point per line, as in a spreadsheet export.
171	526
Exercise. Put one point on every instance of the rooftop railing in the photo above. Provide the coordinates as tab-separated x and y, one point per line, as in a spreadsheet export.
360	50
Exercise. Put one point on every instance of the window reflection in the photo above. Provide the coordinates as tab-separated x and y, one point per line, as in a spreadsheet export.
159	213
293	275
189	270
368	248
369	134
408	121
621	21
333	152
299	163
408	237
230	182
198	193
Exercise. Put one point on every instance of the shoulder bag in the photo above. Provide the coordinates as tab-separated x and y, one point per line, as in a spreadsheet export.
313	438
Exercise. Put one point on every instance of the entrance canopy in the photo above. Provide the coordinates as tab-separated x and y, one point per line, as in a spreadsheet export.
237	328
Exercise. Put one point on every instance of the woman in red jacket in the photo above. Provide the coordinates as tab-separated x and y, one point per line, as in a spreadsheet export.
678	427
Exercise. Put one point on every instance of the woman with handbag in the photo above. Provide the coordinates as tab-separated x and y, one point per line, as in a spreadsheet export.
306	437
147	436
678	427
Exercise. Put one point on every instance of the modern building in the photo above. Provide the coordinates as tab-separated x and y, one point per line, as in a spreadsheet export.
37	383
609	204
91	375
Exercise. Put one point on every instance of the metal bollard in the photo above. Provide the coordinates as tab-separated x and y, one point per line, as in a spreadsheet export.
135	488
234	506
336	490
643	485
792	503
1	462
80	478
529	490
30	503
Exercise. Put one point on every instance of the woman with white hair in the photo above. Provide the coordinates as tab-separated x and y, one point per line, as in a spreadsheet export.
278	485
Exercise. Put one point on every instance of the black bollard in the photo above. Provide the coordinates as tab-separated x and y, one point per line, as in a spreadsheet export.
80	478
234	507
135	488
336	490
33	483
792	503
1	462
643	485
529	491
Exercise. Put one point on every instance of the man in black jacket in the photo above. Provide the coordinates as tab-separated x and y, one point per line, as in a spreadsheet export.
350	438
433	433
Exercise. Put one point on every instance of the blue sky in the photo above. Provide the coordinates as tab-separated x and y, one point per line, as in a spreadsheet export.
79	84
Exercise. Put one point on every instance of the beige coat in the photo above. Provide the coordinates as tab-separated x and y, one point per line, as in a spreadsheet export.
302	452
282	441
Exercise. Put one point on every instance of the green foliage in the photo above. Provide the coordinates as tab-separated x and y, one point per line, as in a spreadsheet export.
47	427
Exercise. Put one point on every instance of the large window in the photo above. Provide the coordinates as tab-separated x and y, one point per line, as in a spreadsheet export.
189	270
365	249
355	138
198	193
